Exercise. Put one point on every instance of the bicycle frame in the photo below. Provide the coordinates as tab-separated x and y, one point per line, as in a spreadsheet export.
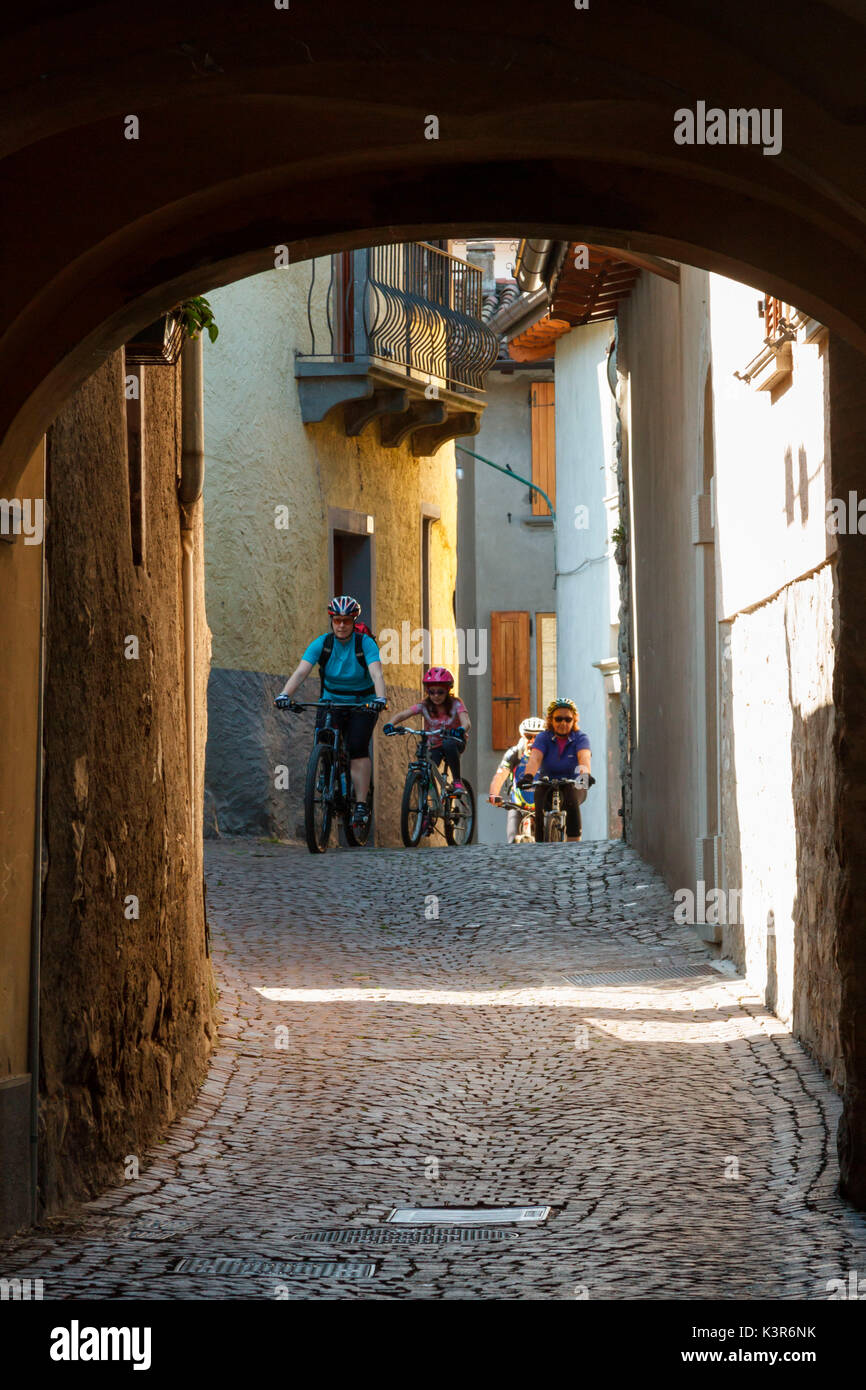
555	814
438	799
527	813
336	790
424	764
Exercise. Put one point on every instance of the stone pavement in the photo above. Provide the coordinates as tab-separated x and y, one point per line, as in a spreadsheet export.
373	1054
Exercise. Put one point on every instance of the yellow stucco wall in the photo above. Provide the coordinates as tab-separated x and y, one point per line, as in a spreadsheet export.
20	584
267	587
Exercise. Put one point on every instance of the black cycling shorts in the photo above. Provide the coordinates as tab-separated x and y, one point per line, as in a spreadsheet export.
356	727
568	799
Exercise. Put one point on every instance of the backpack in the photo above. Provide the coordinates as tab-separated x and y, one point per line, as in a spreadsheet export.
328	646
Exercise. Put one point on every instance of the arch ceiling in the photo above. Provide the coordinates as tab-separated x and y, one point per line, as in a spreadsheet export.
306	126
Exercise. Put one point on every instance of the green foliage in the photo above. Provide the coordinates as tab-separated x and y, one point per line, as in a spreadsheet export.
196	314
617	535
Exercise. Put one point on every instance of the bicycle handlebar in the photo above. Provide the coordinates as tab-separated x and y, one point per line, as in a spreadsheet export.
297	705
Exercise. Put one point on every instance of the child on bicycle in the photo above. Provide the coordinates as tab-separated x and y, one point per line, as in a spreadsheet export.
445	718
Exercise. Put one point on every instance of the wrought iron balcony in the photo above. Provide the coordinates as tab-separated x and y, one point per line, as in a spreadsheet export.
397	335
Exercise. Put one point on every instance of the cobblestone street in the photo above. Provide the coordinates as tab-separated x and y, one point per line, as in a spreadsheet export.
374	1054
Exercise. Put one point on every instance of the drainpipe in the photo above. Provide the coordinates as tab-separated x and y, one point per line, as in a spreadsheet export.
531	259
36	897
189	491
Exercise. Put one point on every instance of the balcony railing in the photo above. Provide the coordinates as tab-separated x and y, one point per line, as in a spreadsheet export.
411	307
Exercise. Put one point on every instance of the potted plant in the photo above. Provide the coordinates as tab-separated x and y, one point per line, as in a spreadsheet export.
159	344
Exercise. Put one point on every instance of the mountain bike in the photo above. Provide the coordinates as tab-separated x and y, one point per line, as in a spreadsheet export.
556	813
526	825
328	791
429	795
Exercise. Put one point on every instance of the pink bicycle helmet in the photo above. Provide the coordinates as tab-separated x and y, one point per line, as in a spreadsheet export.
438	675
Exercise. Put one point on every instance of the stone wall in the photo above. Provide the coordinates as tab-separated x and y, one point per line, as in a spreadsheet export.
126	1002
848	430
779	791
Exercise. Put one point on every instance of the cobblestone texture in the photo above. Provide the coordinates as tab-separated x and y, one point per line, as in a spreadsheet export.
447	1061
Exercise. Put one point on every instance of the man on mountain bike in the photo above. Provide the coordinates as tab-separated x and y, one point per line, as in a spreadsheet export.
513	767
351	674
446	718
561	750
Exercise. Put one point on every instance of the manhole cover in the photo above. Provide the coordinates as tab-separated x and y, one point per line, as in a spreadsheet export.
468	1216
431	1235
640	974
279	1269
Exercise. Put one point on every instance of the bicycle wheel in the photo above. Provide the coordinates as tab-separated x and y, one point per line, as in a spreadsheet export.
318	806
413	809
357	835
552	827
460	816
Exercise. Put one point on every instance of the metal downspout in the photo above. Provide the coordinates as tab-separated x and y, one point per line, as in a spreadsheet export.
510	473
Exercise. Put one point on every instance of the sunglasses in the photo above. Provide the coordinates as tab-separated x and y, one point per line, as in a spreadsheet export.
437	689
563	719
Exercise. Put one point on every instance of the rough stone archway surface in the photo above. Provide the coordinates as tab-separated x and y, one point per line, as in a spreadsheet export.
306	126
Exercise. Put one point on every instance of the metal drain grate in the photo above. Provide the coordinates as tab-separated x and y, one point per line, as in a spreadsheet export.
417	1235
279	1269
640	974
468	1216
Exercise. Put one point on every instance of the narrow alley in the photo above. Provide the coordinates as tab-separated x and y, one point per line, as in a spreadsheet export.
549	1038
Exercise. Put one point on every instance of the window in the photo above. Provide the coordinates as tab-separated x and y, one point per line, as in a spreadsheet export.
541	403
778	319
353	558
545	660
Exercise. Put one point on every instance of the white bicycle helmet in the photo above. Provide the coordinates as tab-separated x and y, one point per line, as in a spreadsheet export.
532	725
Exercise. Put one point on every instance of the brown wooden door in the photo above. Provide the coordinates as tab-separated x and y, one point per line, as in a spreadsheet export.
509	672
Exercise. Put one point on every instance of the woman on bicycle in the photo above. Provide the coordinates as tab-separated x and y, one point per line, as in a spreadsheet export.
562	750
351	671
445	718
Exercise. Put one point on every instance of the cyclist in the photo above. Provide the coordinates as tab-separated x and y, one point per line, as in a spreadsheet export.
512	767
445	718
350	667
561	750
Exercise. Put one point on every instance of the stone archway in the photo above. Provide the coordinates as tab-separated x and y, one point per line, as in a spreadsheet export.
308	127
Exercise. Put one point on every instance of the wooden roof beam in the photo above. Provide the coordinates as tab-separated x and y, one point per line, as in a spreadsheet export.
668	270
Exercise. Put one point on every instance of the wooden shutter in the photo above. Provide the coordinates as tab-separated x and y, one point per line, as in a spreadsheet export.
509	671
543	445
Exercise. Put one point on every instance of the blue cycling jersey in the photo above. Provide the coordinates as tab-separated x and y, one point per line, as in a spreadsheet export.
562	762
